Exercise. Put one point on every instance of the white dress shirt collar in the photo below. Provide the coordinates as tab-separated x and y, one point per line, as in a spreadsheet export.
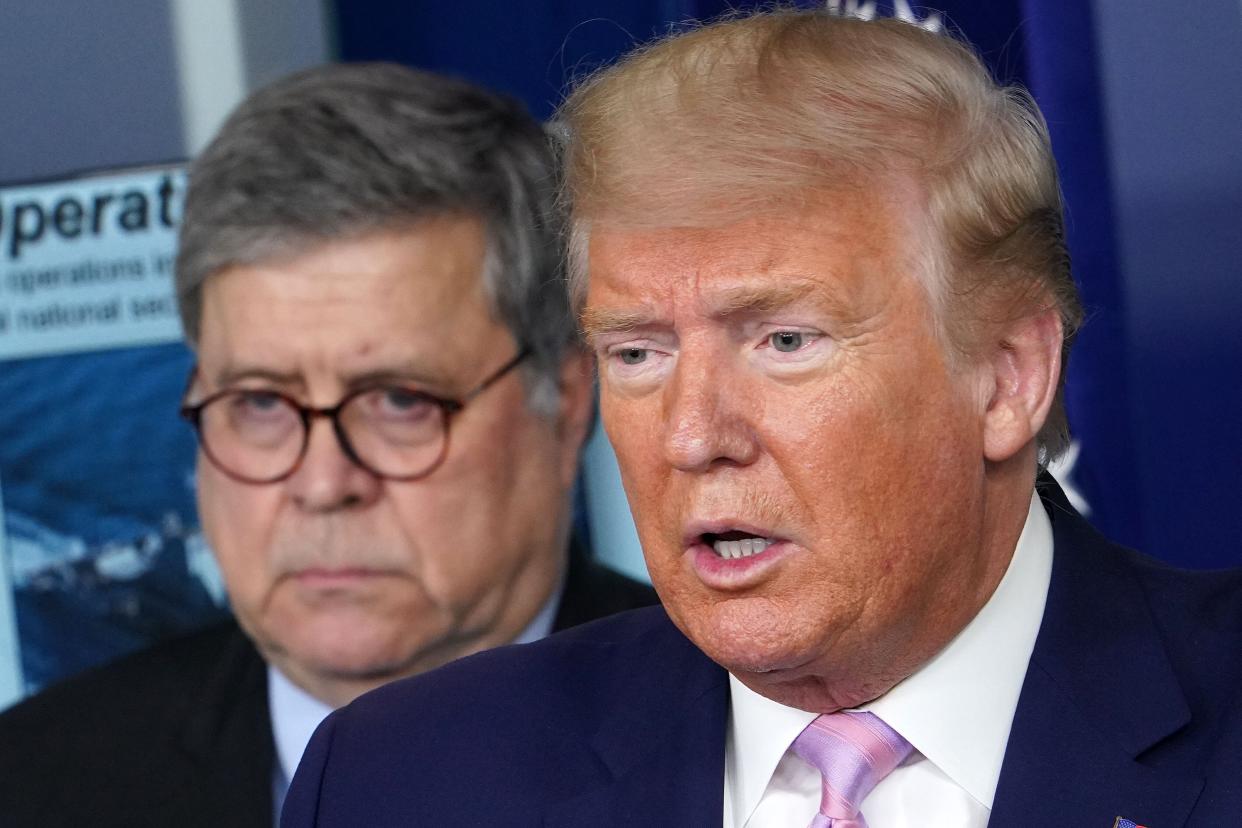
760	731
956	709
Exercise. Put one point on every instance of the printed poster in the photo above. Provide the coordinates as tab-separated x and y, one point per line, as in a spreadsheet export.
100	549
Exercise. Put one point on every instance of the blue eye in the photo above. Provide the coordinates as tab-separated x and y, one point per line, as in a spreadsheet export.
402	398
633	356
394	402
786	341
260	399
249	403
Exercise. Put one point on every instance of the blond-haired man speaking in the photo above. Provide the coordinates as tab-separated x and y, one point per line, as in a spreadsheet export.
820	263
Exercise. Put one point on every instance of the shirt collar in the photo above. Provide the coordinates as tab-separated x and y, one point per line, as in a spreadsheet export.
956	709
760	731
295	715
541	625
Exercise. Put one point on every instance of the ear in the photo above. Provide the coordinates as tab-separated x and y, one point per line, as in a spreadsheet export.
1024	367
577	405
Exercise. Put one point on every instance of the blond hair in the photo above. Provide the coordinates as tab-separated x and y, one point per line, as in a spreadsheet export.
752	115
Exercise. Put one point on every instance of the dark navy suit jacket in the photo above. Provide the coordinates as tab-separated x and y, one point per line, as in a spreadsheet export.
1129	708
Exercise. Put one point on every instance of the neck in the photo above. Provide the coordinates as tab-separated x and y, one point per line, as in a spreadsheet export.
333	690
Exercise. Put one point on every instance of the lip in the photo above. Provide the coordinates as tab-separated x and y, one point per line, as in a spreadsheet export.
695	530
342	578
732	574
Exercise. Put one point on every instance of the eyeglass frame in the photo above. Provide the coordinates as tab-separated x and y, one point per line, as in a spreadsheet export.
309	413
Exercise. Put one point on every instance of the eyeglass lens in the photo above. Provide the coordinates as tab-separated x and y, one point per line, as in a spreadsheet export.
260	435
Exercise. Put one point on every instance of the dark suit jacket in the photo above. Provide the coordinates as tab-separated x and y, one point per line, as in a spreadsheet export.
180	735
1129	708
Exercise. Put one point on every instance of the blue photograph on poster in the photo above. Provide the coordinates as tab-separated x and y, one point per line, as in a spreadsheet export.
104	552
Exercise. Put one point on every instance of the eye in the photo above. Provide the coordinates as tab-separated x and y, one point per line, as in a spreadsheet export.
402	398
786	341
257	404
632	356
395	402
635	363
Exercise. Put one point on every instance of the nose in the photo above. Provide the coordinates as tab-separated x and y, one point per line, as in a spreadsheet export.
327	479
708	418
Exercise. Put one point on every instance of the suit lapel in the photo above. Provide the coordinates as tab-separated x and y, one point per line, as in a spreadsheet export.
662	753
1098	693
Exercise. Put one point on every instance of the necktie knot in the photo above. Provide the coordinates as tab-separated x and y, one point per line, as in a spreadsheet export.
853	752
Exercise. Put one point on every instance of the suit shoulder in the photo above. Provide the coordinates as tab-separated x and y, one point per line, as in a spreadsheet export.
1213	585
130	701
594	644
1181	601
146	673
535	709
1199	606
557	677
1197	617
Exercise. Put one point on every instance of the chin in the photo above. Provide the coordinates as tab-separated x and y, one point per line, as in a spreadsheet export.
353	647
740	658
748	635
377	667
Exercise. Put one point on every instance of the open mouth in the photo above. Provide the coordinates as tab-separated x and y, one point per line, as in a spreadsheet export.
733	545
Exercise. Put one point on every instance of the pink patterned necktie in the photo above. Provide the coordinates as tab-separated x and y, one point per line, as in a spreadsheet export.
853	751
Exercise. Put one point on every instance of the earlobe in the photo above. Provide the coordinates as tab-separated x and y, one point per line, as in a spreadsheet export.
1025	366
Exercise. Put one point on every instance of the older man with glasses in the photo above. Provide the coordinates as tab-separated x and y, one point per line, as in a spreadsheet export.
821	262
390	403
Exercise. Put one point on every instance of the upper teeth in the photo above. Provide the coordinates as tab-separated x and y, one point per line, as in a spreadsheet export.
741	548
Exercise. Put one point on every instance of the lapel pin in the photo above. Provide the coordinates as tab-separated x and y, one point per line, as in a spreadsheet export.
1122	822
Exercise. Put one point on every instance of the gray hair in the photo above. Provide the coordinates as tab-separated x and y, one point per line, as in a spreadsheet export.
343	150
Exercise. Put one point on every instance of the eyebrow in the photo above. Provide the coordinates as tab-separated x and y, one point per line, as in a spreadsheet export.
742	300
755	299
230	375
597	322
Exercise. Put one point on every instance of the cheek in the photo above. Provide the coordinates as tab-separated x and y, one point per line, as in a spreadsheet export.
892	414
633	430
237	522
485	511
871	456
